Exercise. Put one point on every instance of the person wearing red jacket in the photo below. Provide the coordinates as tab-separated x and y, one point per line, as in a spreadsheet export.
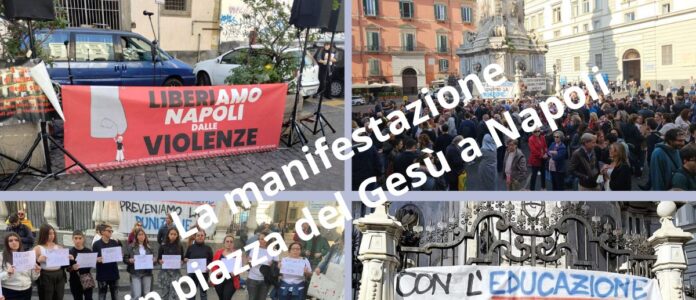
227	288
537	156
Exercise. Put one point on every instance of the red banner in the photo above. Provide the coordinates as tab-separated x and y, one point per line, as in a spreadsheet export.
114	127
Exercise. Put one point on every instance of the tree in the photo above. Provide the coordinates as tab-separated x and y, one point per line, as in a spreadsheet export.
14	41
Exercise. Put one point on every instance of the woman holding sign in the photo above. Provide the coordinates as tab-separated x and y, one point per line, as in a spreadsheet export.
293	270
226	289
52	280
141	276
170	249
16	285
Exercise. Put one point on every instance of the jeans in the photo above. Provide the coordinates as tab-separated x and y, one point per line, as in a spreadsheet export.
258	289
225	290
290	291
532	182
108	286
140	286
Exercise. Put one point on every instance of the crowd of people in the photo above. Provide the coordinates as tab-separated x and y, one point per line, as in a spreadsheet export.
643	140
261	281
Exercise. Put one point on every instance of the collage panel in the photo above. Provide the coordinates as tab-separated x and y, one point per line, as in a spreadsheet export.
171	250
508	95
128	95
523	250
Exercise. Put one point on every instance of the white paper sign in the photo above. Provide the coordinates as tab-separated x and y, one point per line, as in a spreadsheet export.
293	266
230	264
86	260
57	258
171	262
143	262
329	285
111	255
24	261
195	264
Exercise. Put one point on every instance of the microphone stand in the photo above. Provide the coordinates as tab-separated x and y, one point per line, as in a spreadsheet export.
70	74
155	51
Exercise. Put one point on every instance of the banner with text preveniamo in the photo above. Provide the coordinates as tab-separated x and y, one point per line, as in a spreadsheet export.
152	214
507	283
112	127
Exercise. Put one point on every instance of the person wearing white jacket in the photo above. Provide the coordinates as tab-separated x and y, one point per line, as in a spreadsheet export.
15	285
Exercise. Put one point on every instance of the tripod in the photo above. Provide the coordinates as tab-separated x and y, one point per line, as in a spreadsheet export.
293	126
320	120
43	137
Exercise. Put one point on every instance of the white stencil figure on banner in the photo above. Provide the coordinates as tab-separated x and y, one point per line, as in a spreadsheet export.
119	149
108	116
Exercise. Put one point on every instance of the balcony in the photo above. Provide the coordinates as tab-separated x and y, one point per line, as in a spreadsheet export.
442	50
407	50
368	49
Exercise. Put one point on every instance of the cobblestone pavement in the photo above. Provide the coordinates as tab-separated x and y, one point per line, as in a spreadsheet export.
210	174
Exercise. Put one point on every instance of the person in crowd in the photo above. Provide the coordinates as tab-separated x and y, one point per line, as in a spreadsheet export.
97	235
51	283
141	280
444	139
666	160
537	157
685	178
326	59
199	250
292	285
692	131
558	155
488	163
131	235
316	248
617	175
406	158
515	164
256	284
164	230
171	245
15	285
583	163
683	120
107	273
453	155
79	274
16	226
226	289
23	219
653	138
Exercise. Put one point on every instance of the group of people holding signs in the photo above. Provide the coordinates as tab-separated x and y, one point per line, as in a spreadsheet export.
50	265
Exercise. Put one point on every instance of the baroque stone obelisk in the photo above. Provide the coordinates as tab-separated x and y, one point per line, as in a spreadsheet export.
501	38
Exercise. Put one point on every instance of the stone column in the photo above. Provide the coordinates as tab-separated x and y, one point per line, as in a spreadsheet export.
111	215
557	84
51	214
224	216
668	242
517	91
3	215
381	235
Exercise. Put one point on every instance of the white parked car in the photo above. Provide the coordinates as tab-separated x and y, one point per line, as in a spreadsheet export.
358	100
214	71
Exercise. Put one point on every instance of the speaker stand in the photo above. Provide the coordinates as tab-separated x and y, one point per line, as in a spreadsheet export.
319	119
294	126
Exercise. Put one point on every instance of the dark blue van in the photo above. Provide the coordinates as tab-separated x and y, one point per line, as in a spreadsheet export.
110	57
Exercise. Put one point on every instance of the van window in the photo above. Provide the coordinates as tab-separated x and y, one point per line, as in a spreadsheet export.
94	47
54	45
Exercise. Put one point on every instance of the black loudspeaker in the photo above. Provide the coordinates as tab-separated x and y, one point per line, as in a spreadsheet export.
311	13
336	21
40	10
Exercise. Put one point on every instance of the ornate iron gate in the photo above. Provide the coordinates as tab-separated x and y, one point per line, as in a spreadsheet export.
99	13
501	233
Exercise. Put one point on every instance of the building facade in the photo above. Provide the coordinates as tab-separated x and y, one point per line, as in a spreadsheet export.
408	42
189	32
641	40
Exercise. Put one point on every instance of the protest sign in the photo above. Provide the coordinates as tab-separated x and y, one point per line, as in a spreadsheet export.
230	264
293	266
22	99
57	257
24	261
112	254
488	282
171	262
503	91
195	264
115	127
144	262
152	214
535	84
328	285
86	260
